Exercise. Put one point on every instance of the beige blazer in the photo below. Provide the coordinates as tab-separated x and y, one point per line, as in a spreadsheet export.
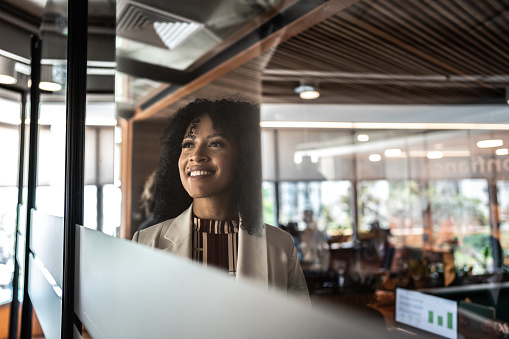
270	260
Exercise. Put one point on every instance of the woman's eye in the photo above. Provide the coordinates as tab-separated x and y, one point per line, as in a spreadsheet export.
187	144
216	143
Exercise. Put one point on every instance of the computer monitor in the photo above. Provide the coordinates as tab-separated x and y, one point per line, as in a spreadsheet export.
416	312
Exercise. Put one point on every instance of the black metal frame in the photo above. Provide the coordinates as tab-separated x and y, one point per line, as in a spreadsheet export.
36	47
75	145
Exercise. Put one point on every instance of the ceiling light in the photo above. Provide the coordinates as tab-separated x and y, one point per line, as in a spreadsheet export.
375	157
307	92
7	72
6	79
490	143
502	151
363	137
435	155
52	77
50	86
392	152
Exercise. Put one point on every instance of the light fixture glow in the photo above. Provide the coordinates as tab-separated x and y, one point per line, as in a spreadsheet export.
309	95
392	152
490	143
307	92
375	157
363	137
435	155
7	79
502	151
50	86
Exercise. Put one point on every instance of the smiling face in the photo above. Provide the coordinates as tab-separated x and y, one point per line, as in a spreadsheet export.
207	162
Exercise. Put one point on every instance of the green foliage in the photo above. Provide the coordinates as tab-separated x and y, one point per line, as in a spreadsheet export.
268	207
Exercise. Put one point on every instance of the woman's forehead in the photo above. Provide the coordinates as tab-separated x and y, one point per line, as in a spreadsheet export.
202	122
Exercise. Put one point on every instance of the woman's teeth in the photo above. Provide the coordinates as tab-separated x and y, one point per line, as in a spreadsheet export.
195	173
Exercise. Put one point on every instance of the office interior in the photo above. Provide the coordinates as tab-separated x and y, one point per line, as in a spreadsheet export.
384	135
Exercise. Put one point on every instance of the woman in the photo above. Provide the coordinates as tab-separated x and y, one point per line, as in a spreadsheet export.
208	189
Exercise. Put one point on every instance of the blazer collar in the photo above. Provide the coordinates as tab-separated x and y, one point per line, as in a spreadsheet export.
252	251
179	234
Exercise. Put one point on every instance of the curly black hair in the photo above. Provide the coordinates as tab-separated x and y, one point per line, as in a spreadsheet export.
240	120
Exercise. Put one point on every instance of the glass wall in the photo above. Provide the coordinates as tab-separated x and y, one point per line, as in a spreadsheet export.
102	173
422	190
384	133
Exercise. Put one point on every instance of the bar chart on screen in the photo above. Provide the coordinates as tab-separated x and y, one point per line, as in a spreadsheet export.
426	312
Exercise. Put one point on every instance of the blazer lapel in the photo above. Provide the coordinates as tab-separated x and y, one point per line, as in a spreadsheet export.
252	262
179	234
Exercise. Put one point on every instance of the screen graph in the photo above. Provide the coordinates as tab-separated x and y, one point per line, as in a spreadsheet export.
426	312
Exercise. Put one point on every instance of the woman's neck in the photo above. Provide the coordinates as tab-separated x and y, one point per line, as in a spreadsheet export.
212	209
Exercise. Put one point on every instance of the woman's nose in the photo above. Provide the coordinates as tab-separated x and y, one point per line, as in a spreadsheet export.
199	155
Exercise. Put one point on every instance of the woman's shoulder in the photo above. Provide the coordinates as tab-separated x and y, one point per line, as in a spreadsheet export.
277	236
150	235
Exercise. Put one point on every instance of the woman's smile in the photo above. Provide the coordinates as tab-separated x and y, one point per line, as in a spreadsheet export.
200	173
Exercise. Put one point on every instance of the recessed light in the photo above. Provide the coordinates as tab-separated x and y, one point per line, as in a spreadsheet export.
490	143
502	151
363	137
375	157
435	155
307	92
392	152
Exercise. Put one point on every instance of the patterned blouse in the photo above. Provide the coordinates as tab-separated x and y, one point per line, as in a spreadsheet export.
215	243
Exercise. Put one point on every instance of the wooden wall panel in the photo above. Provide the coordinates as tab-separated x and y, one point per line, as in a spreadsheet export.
146	151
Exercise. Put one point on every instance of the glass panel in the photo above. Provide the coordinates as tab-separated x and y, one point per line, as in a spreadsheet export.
122	264
8	199
390	161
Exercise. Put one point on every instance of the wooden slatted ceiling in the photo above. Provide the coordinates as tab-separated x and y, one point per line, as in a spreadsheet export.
403	37
385	52
411	37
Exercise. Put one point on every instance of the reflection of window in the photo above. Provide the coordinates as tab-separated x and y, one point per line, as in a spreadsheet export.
503	216
112	198
268	201
394	205
8	199
460	217
329	201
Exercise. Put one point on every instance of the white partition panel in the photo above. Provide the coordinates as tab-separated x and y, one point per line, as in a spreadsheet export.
47	241
47	304
127	290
